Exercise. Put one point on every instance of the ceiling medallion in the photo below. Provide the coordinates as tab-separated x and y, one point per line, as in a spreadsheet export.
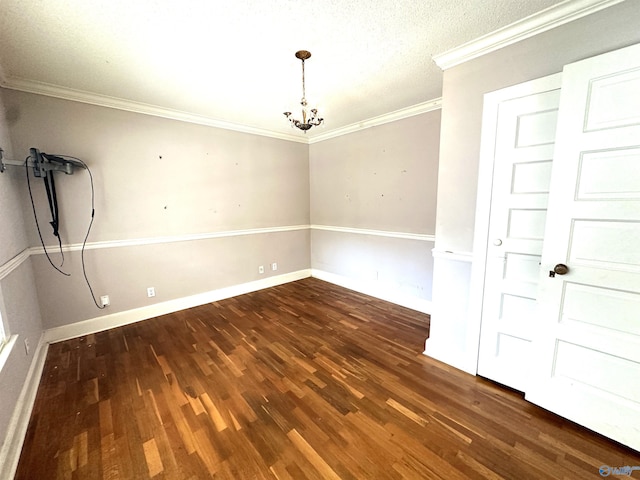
309	115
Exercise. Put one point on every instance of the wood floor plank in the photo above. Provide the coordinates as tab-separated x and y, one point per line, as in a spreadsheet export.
310	453
302	381
154	462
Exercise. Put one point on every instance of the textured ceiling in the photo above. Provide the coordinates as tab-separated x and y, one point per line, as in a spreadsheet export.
233	61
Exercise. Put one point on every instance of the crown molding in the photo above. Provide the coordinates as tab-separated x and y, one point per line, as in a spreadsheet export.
540	22
49	90
55	91
417	109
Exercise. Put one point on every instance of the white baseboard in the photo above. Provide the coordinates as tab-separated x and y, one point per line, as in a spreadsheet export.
119	319
10	453
374	290
17	429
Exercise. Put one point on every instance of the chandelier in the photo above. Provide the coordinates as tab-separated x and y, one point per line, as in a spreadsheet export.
309	115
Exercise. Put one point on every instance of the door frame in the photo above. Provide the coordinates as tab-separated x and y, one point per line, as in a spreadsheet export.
492	101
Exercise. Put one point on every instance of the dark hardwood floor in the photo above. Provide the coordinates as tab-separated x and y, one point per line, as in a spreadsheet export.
305	381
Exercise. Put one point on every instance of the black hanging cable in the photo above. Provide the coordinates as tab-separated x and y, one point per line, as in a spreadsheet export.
84	270
50	186
35	216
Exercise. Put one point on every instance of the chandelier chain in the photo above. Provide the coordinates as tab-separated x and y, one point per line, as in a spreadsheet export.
310	117
304	94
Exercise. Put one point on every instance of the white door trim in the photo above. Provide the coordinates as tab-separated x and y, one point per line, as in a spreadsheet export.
492	101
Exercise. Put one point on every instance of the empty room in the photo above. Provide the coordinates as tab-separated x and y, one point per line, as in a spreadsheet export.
315	240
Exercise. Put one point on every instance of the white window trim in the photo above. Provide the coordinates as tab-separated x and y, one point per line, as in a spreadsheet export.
7	341
5	350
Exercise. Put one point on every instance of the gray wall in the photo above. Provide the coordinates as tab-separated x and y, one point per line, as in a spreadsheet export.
12	234
463	89
383	178
18	303
158	179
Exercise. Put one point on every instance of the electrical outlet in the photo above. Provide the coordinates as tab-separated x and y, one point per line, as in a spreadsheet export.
151	292
274	266
26	346
104	299
261	269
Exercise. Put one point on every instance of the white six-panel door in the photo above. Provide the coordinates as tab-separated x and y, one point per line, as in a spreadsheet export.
586	347
522	152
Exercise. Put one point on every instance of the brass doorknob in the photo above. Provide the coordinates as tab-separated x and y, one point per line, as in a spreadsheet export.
561	269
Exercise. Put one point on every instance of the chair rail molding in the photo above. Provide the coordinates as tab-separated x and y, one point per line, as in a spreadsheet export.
424	237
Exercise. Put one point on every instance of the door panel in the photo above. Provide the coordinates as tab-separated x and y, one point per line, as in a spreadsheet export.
536	128
531	177
587	347
601	307
521	267
526	224
523	155
607	244
596	369
610	175
619	91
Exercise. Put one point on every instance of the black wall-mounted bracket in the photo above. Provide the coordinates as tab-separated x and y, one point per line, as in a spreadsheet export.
41	163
